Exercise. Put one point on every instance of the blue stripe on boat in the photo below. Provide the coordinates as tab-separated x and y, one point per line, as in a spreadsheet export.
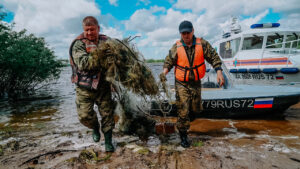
270	70
233	71
242	71
254	70
291	70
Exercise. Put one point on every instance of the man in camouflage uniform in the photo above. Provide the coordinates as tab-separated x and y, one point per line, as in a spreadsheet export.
188	91
91	86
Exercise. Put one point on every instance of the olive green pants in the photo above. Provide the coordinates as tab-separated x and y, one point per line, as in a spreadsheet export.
85	100
188	100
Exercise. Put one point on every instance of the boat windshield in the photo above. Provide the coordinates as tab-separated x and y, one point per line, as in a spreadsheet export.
291	39
254	42
274	41
229	48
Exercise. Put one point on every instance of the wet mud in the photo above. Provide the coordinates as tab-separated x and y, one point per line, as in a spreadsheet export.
216	143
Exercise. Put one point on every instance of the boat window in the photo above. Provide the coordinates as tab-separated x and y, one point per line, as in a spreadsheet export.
274	41
292	37
254	42
229	48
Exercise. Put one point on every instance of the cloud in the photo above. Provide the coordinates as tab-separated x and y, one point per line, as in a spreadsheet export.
291	21
55	20
111	32
246	23
41	16
156	42
208	17
144	20
218	8
113	2
58	21
158	29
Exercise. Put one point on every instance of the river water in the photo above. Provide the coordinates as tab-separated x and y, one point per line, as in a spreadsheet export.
52	112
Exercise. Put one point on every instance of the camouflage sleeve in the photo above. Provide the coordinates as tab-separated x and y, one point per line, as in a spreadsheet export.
171	58
210	54
83	59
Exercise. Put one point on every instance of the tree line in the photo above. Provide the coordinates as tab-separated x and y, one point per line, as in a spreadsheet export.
155	60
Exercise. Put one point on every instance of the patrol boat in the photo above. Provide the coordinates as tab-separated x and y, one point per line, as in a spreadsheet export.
238	101
264	54
233	100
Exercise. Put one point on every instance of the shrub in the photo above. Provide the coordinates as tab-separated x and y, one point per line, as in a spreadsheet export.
26	62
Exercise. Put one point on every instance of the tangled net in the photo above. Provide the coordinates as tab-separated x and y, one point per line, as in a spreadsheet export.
131	78
124	64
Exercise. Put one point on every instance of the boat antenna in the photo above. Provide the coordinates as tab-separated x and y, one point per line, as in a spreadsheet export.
235	26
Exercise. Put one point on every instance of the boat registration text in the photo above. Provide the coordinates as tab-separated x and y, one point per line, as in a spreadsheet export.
231	103
256	103
259	76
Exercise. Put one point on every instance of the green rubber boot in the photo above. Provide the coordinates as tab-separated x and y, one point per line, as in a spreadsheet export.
96	134
108	141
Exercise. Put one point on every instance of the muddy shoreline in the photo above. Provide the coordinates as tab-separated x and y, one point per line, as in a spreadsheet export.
216	143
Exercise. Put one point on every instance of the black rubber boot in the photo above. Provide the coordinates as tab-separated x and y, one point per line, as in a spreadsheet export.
108	141
96	134
184	140
192	116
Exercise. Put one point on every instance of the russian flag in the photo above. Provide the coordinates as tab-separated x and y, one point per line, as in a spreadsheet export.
263	103
279	78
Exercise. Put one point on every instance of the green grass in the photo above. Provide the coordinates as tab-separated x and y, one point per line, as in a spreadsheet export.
198	144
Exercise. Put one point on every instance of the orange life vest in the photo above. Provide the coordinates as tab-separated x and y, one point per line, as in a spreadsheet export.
183	67
81	78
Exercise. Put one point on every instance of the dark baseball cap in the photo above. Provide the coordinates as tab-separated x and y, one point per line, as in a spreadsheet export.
185	26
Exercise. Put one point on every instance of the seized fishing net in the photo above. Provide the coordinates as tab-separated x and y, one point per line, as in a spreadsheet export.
133	81
126	65
132	116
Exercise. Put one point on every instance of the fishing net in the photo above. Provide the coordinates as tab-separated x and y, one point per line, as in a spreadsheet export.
124	64
134	84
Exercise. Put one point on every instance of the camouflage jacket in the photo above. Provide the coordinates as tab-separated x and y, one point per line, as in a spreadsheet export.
84	60
86	70
210	55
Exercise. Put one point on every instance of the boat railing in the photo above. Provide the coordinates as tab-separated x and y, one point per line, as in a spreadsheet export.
283	50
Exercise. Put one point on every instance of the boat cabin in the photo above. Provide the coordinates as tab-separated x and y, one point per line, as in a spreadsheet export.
265	49
252	43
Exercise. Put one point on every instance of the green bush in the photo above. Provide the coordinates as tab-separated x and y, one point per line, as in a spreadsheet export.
26	62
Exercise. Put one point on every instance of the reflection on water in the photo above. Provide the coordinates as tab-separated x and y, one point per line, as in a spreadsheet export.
50	107
53	109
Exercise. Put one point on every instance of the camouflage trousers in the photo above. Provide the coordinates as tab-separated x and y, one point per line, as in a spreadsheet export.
188	102
85	100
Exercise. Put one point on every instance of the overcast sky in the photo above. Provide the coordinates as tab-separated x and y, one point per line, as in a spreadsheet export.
156	21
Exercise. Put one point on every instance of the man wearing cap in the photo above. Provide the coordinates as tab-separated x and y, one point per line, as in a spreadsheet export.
188	55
